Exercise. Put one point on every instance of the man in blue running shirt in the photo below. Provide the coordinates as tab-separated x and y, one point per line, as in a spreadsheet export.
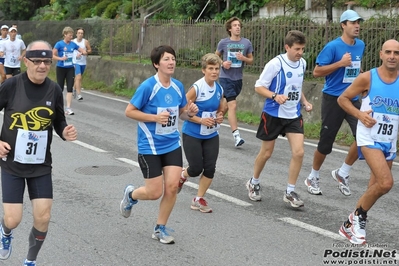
340	63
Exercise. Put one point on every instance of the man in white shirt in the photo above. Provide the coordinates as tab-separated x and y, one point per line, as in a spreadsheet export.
18	35
3	38
14	51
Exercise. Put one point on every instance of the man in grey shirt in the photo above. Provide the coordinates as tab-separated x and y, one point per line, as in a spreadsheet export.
235	52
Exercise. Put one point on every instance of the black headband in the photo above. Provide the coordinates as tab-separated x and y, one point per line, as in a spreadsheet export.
39	54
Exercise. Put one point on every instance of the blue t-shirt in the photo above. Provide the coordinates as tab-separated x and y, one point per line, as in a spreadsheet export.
228	49
341	78
151	98
65	49
208	101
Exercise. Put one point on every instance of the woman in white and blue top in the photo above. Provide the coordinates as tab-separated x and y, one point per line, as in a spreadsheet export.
157	105
200	133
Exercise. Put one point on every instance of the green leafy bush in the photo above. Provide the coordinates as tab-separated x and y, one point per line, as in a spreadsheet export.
112	10
99	9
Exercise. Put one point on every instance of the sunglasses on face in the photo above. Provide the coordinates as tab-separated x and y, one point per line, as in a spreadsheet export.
38	62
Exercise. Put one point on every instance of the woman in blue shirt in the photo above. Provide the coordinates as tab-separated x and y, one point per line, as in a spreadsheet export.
157	105
65	71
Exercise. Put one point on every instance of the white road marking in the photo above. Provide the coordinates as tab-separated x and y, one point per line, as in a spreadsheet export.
289	220
327	233
83	144
220	195
125	160
284	138
88	146
312	228
195	186
105	97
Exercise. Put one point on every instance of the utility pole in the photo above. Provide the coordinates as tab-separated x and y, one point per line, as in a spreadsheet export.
308	4
132	9
329	10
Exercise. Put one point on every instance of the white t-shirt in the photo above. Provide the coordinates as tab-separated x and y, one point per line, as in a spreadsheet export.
2	40
12	50
82	59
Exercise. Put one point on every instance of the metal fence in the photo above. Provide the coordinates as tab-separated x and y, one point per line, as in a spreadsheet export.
135	39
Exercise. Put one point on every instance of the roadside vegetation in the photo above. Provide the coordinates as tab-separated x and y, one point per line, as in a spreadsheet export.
173	9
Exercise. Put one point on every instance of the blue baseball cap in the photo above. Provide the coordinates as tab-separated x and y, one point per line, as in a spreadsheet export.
350	15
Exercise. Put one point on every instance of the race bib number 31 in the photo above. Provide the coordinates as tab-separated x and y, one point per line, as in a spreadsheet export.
30	147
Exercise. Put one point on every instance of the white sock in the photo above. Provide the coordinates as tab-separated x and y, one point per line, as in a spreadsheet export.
255	181
290	188
314	173
197	198
344	170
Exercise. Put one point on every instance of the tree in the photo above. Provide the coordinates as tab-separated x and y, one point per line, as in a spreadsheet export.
21	9
329	9
70	7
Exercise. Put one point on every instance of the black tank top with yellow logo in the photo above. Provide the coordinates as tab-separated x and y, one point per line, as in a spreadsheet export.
23	112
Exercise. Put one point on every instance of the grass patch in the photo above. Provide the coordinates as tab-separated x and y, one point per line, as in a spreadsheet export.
128	93
312	130
344	138
248	118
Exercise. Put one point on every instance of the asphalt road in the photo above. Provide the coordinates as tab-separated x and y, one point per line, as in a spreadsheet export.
90	175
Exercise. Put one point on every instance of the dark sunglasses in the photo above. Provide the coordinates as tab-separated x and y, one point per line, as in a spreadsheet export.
38	62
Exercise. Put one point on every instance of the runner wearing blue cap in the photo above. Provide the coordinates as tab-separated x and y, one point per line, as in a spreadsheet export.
340	63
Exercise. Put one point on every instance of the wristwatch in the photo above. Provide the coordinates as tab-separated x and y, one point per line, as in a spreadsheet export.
274	96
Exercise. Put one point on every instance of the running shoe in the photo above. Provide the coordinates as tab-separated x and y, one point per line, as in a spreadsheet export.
29	263
201	205
127	202
343	182
68	111
346	232
253	191
313	185
238	140
358	228
80	98
182	180
5	244
162	235
293	199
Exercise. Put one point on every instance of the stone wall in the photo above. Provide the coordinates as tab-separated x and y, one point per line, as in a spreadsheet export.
107	71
